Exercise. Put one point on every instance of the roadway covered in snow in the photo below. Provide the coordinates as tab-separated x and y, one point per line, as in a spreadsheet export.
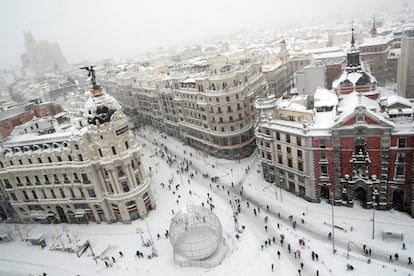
354	227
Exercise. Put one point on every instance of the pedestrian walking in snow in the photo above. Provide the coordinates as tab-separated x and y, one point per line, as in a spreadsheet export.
396	256
316	256
265	228
317	272
409	260
278	254
272	267
106	264
390	259
289	247
301	265
254	211
121	254
369	251
113	259
299	271
403	246
313	255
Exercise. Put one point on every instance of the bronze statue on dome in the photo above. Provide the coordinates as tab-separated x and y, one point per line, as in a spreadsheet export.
91	73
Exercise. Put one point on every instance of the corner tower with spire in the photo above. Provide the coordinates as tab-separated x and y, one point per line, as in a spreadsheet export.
354	77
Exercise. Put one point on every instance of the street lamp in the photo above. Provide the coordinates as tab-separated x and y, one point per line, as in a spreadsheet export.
154	250
373	216
333	225
139	231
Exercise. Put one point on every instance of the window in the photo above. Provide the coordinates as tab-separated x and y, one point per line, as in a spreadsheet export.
72	193
85	178
59	159
13	196
228	108
227	98
133	164
269	156
289	152
298	141
50	159
279	148
322	143
39	160
80	157
400	157
400	172
324	170
323	155
277	136
81	192
34	194
120	171
280	159
290	163
25	195
91	193
56	179
125	187
402	142
100	152
113	150
62	193
126	145
300	166
299	154
287	138
53	193
30	161
70	157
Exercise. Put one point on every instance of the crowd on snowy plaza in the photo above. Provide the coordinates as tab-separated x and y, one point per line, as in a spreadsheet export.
271	231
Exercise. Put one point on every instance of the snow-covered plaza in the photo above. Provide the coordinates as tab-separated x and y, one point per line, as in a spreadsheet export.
267	214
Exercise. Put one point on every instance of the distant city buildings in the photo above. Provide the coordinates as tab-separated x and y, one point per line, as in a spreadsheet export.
42	56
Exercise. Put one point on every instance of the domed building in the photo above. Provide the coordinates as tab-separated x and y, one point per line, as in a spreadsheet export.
196	237
77	170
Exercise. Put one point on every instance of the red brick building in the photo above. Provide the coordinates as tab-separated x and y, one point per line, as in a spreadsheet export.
352	144
21	114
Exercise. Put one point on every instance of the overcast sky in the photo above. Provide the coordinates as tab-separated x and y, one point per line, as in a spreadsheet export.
96	29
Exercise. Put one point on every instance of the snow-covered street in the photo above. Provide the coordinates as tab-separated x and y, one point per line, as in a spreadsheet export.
267	214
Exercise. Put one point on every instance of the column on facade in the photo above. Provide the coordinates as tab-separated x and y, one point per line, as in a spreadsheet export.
108	212
102	180
126	218
131	177
114	181
142	211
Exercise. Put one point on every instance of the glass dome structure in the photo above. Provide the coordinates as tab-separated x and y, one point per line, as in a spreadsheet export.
195	233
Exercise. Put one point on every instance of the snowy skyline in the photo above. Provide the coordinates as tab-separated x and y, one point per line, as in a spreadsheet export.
105	29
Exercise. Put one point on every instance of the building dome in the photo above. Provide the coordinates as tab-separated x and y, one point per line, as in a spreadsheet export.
99	108
195	233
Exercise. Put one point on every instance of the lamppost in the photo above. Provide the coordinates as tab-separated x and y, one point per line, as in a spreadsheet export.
139	231
373	216
274	183
154	250
333	225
